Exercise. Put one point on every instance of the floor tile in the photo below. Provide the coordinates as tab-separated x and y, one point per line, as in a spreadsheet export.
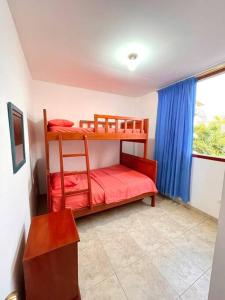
178	269
121	249
168	205
207	231
168	226
153	212
108	289
196	248
187	217
111	227
199	290
86	235
147	237
94	265
141	280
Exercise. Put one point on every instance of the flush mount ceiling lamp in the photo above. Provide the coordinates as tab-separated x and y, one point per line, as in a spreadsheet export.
132	55
132	61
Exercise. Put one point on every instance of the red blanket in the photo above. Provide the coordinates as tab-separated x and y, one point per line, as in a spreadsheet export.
109	185
120	182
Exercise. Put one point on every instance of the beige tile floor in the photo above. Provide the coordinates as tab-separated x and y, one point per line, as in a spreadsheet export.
139	252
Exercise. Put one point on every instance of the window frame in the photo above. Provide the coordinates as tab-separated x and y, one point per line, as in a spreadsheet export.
210	73
208	157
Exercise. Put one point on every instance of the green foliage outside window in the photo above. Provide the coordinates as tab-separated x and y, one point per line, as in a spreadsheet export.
209	137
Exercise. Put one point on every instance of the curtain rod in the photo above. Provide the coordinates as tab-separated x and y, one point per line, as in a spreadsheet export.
212	71
217	69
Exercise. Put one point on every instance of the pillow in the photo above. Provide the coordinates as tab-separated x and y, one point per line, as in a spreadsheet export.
69	181
60	122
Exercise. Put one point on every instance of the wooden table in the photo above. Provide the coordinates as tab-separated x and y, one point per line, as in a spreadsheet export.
50	259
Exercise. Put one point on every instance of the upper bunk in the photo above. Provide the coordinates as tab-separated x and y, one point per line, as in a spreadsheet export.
103	127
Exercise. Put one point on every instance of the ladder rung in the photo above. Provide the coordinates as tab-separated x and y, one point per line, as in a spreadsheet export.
74	154
71	193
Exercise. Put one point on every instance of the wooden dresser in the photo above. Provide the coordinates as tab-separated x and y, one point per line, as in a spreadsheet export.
50	259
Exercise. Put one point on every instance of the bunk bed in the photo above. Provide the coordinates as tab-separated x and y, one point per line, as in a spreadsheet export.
91	191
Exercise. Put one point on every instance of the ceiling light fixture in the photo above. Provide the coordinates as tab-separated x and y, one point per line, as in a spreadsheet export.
132	55
132	61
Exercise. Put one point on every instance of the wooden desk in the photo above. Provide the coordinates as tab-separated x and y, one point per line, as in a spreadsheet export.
50	259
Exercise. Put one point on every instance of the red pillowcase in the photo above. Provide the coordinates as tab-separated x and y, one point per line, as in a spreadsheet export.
69	181
60	122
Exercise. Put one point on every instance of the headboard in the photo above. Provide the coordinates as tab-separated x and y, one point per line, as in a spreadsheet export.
142	165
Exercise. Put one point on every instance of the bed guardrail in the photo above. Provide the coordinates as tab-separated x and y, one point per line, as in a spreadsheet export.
118	122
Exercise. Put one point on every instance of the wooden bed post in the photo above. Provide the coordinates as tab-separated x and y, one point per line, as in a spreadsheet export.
47	160
121	149
146	129
96	123
145	148
88	171
153	201
63	204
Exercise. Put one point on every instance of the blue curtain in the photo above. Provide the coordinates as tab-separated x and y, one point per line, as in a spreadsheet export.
174	138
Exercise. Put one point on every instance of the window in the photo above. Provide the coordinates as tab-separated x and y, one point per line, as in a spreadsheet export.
209	122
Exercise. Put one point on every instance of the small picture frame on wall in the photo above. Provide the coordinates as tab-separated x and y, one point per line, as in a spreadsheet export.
16	128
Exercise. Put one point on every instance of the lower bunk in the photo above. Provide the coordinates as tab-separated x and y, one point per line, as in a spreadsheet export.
113	186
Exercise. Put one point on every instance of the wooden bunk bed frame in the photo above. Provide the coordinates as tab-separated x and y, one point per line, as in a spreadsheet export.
142	165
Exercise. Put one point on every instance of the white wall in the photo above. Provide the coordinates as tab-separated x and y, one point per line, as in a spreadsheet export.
207	185
14	188
76	104
207	175
146	107
217	287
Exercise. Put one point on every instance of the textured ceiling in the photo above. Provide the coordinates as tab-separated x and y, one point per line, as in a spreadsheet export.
82	42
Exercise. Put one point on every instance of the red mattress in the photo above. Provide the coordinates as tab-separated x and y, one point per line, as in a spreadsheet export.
88	130
109	185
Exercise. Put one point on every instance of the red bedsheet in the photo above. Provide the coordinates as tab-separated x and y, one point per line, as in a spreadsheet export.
78	201
109	185
88	130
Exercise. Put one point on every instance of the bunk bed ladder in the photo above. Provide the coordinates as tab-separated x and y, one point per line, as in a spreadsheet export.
62	172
